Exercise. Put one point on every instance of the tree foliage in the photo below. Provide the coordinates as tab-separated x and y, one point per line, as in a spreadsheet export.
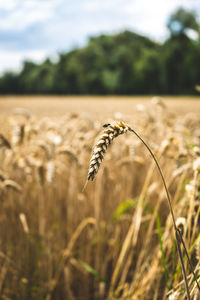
124	63
181	21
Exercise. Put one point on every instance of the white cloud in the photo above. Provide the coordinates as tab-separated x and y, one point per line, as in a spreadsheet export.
27	13
55	25
99	5
143	16
8	5
12	61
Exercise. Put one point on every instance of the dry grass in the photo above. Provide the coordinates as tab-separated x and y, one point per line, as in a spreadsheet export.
115	240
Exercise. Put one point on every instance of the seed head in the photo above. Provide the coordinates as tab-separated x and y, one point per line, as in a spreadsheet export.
110	132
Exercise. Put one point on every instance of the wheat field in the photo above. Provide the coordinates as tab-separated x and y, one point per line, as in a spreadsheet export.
115	238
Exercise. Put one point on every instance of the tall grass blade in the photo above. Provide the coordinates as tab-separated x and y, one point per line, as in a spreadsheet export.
92	271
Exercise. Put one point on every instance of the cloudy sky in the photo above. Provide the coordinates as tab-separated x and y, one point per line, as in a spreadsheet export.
34	29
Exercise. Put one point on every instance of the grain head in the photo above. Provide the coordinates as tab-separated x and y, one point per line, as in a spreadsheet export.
110	132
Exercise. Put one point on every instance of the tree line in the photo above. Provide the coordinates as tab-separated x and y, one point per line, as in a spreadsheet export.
124	63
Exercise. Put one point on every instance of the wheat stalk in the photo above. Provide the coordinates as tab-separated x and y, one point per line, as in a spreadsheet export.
8	183
112	131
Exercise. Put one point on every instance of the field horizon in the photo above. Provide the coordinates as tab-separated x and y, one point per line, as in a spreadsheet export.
55	105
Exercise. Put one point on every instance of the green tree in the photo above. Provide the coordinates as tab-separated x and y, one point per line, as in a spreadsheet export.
181	55
9	83
124	63
37	79
148	73
181	21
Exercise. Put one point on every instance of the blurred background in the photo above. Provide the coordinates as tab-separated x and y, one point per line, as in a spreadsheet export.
99	47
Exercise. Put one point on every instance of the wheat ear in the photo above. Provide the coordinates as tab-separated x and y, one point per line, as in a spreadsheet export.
110	132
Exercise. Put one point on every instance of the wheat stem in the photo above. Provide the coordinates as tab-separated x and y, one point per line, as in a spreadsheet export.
110	132
177	232
172	214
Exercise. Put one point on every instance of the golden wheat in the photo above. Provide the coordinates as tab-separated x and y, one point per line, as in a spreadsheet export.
110	132
57	242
